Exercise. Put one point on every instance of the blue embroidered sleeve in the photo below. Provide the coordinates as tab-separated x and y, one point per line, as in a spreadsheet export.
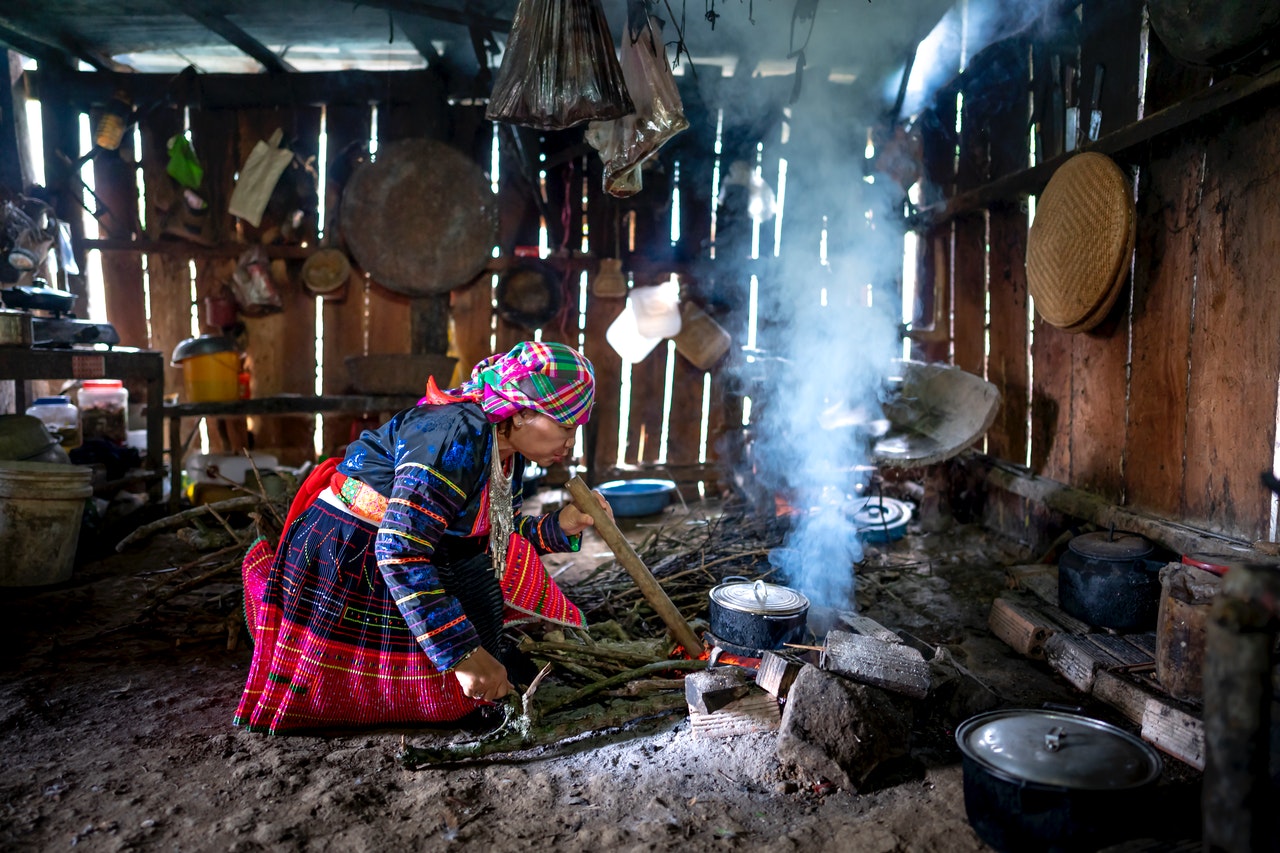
436	467
545	533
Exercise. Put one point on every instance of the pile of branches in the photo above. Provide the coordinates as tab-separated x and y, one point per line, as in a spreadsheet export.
622	670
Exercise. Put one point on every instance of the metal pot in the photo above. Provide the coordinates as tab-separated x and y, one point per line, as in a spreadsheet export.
1054	781
1106	580
757	615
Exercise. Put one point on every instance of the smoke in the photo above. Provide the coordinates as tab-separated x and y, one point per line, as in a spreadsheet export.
829	311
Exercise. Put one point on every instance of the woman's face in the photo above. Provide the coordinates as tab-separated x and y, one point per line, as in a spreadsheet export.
540	438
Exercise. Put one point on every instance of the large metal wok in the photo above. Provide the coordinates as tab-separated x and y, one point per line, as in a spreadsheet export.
422	219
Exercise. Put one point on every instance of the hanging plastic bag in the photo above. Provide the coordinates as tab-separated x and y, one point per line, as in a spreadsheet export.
252	285
258	177
183	166
560	68
625	143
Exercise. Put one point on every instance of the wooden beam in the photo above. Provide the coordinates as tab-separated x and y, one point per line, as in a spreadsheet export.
233	34
229	91
1228	93
43	47
440	13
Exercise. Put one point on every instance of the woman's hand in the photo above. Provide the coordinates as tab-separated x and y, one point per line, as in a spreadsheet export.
573	520
482	677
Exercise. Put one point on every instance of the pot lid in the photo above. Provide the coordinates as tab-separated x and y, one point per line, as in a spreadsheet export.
1059	749
880	515
768	599
203	345
1104	545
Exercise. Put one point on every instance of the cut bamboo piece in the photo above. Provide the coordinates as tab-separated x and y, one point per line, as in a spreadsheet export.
585	500
755	712
1021	628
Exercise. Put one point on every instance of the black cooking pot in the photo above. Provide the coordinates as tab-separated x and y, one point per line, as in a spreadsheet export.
1054	781
1105	579
754	615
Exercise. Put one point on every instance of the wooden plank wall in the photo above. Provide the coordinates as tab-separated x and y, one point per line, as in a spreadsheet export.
1169	405
152	296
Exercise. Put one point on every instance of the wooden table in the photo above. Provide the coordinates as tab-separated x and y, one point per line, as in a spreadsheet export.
23	365
276	406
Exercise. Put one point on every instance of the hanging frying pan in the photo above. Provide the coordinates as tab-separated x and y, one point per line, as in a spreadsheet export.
421	219
530	295
1210	32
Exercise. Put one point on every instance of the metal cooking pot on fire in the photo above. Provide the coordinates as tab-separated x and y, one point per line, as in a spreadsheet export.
754	615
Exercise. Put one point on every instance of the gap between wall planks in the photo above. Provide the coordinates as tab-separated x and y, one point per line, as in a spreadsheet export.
1007	361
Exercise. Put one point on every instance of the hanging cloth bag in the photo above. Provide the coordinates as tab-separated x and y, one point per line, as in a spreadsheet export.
560	68
258	177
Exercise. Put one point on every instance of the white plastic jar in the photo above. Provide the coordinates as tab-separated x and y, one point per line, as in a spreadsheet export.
104	410
61	418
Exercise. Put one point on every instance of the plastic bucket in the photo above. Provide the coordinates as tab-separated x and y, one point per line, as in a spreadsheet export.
212	377
41	506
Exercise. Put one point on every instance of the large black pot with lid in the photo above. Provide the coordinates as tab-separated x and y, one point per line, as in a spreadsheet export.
1108	579
1053	780
751	616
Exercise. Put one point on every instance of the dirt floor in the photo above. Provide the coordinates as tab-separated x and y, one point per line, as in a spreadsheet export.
116	734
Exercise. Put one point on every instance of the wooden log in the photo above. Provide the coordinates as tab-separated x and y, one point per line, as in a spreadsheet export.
859	624
1123	693
657	597
777	672
1021	628
1238	699
1175	732
755	712
896	667
1131	656
1076	659
710	690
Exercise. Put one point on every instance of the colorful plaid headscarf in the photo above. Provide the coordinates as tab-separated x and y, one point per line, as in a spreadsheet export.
551	378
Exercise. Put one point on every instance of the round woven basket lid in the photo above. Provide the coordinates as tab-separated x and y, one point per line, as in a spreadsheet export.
1080	242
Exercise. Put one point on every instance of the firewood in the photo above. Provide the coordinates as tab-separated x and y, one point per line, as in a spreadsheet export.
1122	693
622	678
181	518
1022	628
859	624
755	712
548	734
1077	660
777	672
711	689
1173	731
893	666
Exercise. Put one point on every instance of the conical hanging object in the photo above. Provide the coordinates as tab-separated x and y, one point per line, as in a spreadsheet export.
560	68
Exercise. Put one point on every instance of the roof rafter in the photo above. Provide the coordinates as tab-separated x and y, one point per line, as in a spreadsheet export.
234	35
440	13
52	44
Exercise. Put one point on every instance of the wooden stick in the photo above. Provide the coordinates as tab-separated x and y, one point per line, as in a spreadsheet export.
585	501
801	646
623	678
178	519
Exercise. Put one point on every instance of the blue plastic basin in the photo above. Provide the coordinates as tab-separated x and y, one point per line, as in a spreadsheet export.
630	498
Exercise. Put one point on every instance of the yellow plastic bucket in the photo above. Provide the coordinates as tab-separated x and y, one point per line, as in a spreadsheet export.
210	369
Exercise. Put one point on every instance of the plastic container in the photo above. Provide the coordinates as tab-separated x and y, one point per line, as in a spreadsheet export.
104	410
625	337
41	507
61	418
701	339
657	309
210	369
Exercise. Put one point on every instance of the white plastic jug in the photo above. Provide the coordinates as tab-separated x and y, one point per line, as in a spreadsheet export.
657	309
624	336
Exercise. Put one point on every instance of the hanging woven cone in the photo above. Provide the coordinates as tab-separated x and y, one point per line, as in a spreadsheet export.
560	68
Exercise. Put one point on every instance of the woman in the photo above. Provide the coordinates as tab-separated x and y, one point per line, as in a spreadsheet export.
385	600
